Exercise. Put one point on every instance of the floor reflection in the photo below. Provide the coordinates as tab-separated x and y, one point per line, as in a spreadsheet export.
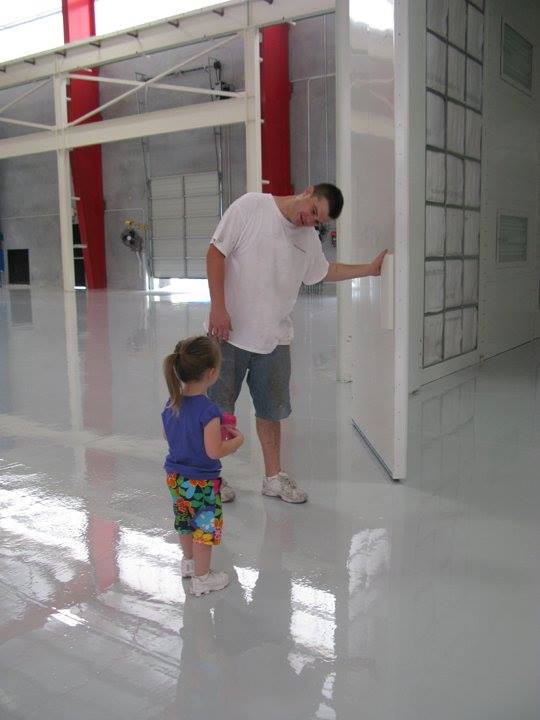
406	601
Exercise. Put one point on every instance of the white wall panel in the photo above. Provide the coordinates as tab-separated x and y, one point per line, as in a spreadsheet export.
447	338
433	339
472	232
436	64
509	313
437	14
457	22
454	180
474	84
452	334
434	286
372	163
435	177
435	120
456	74
454	231
456	128
435	231
453	294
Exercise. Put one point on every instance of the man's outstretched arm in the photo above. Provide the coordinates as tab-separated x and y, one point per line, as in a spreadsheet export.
342	271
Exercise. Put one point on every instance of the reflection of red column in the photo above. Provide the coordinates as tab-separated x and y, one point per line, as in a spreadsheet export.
98	409
102	534
275	100
79	23
102	538
98	366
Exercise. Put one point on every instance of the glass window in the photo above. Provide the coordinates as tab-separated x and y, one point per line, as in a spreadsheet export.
30	26
114	15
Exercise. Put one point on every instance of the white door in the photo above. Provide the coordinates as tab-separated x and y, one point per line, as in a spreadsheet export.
372	171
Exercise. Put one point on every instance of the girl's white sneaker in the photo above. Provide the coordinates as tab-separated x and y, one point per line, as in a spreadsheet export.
204	584
188	567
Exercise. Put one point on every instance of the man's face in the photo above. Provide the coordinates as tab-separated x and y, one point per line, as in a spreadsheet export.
310	210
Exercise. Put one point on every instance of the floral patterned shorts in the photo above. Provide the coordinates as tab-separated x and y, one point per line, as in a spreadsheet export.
197	508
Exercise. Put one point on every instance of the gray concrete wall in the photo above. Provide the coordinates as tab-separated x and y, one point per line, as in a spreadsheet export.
28	186
312	69
29	191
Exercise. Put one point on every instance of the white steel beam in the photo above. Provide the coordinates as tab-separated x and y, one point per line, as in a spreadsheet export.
176	31
157	86
64	188
252	76
147	83
200	115
343	174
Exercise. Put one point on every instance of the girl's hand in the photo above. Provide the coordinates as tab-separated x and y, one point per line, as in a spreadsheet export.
236	434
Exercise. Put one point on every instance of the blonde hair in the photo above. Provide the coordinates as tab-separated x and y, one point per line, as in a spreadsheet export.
189	361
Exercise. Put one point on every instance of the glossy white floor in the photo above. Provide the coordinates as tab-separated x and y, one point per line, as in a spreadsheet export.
413	601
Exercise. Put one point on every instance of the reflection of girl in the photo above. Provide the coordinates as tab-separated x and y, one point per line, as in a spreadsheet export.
192	425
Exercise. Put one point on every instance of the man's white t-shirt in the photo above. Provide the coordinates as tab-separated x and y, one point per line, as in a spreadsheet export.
267	260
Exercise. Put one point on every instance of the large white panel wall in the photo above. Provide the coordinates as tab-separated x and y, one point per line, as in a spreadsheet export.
508	133
372	163
509	311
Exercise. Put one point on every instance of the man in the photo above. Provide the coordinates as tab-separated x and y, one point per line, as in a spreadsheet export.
262	250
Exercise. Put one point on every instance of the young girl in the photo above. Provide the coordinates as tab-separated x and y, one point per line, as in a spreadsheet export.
192	425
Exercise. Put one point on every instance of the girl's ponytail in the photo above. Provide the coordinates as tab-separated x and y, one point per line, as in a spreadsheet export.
174	384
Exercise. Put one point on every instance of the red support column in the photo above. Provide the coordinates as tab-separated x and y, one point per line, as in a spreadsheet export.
275	101
86	169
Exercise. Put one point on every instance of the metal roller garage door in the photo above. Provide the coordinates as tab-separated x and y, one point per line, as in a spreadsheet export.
185	210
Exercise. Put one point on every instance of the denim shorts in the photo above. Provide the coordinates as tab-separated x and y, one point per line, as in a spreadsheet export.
268	378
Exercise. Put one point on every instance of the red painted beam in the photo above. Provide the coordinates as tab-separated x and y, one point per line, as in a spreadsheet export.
79	19
86	167
275	102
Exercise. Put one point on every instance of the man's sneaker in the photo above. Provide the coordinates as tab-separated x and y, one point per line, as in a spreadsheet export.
227	493
282	486
188	568
205	584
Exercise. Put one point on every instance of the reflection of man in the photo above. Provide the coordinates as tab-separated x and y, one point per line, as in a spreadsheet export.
263	249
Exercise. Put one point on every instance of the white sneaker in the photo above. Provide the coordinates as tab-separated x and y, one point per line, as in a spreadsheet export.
188	567
282	486
205	584
227	493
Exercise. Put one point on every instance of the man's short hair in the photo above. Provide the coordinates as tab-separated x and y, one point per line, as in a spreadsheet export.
334	196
